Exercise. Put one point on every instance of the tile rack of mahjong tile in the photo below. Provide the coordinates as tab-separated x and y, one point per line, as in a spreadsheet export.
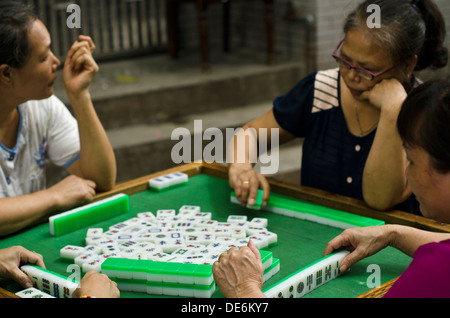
300	242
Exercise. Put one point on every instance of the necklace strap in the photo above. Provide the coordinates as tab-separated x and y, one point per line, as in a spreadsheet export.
362	132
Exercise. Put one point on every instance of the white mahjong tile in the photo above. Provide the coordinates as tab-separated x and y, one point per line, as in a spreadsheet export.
144	245
146	253
182	251
111	234
33	293
118	227
224	239
234	244
241	225
225	225
71	251
131	253
217	245
158	183
222	232
204	229
109	246
91	232
127	244
180	177
169	178
211	258
242	242
94	240
79	260
146	215
189	231
108	255
203	251
93	249
207	223
194	245
164	224
260	241
165	213
93	265
259	222
204	216
173	230
133	221
183	224
195	259
254	230
170	245
189	209
154	230
159	256
135	229
123	237
238	233
271	237
144	238
236	219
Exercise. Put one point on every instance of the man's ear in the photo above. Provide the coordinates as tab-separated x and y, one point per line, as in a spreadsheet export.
6	74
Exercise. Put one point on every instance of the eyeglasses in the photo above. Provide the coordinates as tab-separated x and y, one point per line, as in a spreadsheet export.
368	75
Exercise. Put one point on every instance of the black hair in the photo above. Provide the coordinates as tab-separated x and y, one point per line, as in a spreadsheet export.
408	28
424	121
15	21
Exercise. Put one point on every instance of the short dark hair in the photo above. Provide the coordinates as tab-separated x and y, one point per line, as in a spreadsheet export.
15	21
408	28
424	121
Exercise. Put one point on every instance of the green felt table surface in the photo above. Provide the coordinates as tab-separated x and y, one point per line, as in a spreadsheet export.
299	242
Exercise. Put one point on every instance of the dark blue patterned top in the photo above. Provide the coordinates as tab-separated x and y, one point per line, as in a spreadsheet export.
333	158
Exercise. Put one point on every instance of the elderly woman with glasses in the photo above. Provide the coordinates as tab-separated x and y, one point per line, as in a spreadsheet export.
347	115
425	133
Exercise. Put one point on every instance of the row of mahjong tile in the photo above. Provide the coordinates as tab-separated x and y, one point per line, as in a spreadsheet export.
91	257
309	278
168	230
47	282
170	238
168	181
173	279
136	240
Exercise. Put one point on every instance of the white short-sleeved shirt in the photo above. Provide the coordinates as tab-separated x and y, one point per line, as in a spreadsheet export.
47	130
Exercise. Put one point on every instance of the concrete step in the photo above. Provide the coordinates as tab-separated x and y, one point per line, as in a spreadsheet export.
155	90
150	148
140	102
145	149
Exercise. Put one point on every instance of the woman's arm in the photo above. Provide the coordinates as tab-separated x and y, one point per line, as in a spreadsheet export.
97	160
20	212
384	181
367	241
243	154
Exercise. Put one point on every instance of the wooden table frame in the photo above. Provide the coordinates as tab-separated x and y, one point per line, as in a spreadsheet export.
308	194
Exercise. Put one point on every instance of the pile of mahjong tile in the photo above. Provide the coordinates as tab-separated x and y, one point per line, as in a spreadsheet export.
189	236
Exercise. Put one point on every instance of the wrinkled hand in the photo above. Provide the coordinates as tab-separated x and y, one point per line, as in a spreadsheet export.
80	67
96	285
386	94
361	242
246	182
239	272
72	191
12	258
